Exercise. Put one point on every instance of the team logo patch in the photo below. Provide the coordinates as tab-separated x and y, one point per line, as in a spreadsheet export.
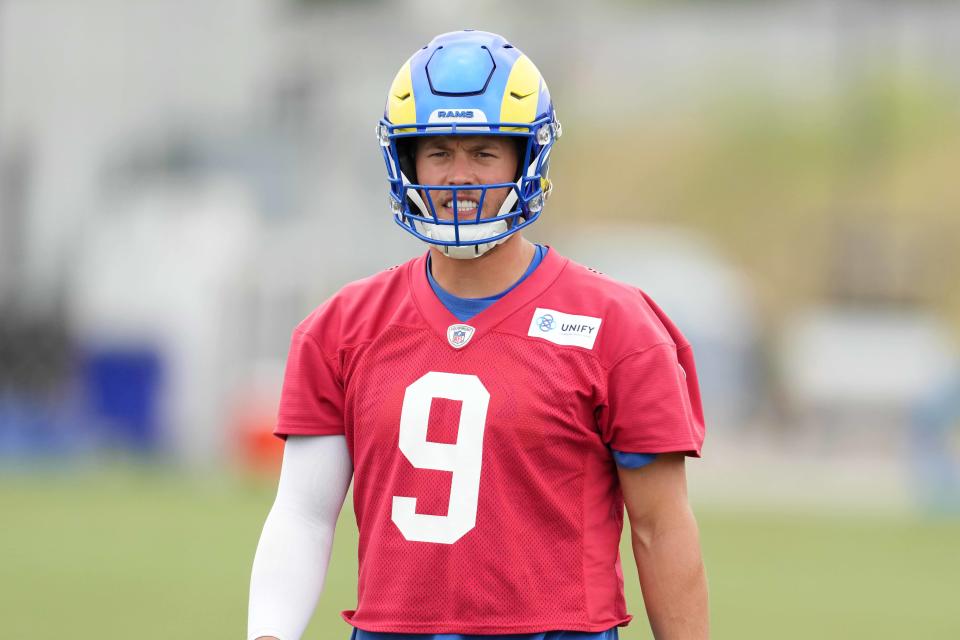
564	328
458	335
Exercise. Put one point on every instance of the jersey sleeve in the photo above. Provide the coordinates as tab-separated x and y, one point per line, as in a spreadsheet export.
653	403
311	402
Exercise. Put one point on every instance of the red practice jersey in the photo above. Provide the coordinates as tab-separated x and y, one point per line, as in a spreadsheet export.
485	491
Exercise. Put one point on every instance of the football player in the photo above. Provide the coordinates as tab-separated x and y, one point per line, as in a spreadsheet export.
495	403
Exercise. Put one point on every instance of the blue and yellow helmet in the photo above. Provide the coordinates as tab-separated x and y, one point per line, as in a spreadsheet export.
468	83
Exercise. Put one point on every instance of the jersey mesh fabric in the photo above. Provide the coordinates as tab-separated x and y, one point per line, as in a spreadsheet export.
526	552
543	553
466	308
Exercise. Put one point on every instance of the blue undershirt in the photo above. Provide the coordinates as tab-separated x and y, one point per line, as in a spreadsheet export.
463	309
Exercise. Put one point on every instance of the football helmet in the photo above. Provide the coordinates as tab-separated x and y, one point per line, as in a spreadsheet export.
468	83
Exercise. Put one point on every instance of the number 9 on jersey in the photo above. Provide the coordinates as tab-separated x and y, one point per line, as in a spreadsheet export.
463	459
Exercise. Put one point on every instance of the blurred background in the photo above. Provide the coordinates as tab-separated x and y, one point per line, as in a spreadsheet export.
182	182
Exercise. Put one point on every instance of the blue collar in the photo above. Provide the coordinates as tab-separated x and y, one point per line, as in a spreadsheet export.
465	308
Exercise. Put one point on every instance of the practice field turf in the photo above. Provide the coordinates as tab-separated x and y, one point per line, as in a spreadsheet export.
146	554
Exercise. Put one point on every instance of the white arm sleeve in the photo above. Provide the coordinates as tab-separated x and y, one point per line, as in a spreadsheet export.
291	561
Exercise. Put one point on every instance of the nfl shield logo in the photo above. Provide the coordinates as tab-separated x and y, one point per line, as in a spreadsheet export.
458	335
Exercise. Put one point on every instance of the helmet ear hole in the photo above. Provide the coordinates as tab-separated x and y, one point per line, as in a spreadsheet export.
406	154
521	144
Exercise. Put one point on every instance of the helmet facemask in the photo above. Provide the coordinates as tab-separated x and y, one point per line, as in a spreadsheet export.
415	208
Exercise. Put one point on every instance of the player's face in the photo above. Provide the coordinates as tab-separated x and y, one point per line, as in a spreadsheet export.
466	160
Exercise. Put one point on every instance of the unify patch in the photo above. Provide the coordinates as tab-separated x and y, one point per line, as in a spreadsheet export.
564	328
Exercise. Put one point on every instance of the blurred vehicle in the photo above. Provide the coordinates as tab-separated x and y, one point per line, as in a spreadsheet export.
862	368
935	446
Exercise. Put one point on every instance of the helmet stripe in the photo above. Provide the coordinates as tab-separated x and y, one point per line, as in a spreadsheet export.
521	95
401	103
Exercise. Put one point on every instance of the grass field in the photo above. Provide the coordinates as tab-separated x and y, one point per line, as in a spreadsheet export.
144	553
